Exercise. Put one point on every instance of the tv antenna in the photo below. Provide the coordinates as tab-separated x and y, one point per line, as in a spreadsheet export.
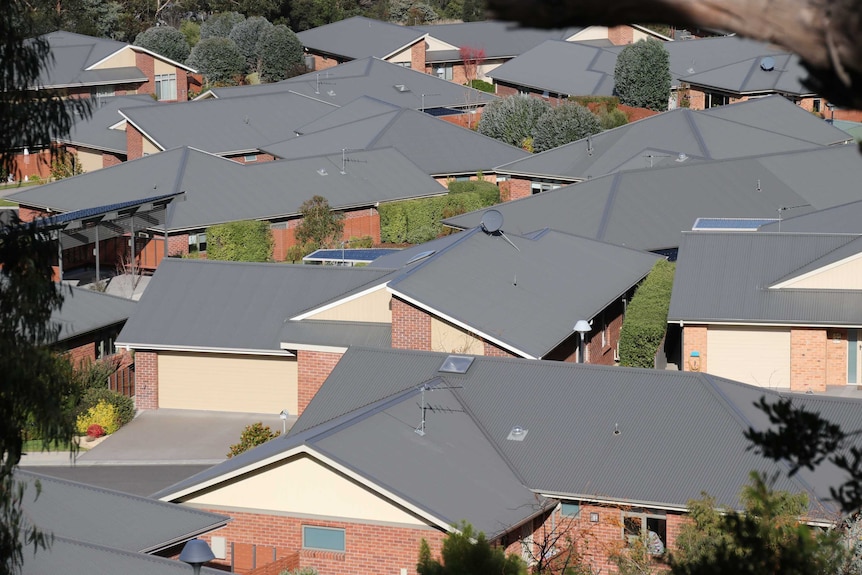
317	84
590	145
784	209
422	109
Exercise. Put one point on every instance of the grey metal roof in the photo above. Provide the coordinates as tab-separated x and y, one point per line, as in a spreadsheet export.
749	77
234	306
359	37
219	190
436	146
94	132
727	277
372	77
72	54
361	107
497	39
528	297
93	515
647	209
226	126
658	140
841	219
689	57
336	333
85	310
413	254
679	433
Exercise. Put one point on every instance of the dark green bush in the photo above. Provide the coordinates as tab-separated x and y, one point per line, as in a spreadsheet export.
252	436
124	407
240	241
482	85
646	317
361	242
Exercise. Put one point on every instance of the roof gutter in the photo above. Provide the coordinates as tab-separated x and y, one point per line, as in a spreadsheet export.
184	538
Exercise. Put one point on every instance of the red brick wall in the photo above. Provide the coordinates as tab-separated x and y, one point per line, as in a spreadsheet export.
313	367
109	159
807	359
369	548
357	223
37	163
147	64
28	214
83	353
146	380
411	327
182	85
694	339
515	188
134	143
323	62
259	157
621	35
417	56
496	351
836	357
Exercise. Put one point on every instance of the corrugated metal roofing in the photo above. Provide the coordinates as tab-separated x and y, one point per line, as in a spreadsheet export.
85	310
94	132
335	333
359	37
72	55
841	219
232	306
497	39
749	76
727	277
527	296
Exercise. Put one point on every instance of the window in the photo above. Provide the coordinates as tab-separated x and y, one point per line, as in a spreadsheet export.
539	186
103	91
325	538
250	158
197	243
651	526
570	509
403	64
166	86
444	71
815	105
606	336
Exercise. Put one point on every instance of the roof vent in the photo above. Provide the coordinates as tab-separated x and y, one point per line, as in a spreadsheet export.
322	172
681	157
420	256
457	364
402	87
331	93
767	64
518	433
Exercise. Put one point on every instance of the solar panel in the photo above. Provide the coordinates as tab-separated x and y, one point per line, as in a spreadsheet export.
353	255
730	224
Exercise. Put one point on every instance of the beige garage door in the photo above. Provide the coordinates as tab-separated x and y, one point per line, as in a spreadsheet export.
759	356
221	382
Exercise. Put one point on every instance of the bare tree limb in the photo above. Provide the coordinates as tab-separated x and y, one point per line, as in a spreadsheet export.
824	33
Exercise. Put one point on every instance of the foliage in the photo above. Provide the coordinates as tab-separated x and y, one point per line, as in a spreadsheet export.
320	226
611	119
482	85
103	413
242	241
767	537
411	12
417	221
633	559
247	35
65	164
642	75
466	552
95	430
191	31
280	54
165	40
361	242
305	14
472	58
90	374
124	406
605	107
218	59
512	119
252	436
219	25
296	252
646	317
567	122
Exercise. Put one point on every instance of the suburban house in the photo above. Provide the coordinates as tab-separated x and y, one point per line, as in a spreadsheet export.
441	149
773	309
674	138
88	67
217	190
648	208
95	530
400	446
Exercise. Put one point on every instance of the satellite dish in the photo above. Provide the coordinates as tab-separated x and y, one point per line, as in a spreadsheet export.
767	64
492	221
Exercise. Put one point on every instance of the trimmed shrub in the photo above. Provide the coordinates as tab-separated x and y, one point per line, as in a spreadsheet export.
280	54
512	119
219	25
482	85
242	241
646	317
361	242
103	414
95	430
165	40
246	35
252	436
563	124
489	194
218	59
124	407
642	75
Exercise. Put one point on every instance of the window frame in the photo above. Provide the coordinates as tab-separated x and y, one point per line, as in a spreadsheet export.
159	81
645	517
305	545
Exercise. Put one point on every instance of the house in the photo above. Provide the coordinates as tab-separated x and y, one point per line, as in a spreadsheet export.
674	138
400	446
97	530
218	190
776	310
648	208
440	149
89	322
87	67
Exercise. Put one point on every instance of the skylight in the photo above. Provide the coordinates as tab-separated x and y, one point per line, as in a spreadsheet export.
457	364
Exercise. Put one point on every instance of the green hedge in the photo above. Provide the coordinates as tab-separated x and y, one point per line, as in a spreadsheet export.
418	221
646	317
240	241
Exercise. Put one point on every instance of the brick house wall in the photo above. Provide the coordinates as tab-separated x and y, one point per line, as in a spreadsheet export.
83	353
36	163
147	65
146	380
836	357
323	62
621	35
29	213
313	367
411	327
493	350
258	158
111	159
134	143
370	548
807	359
694	339
358	223
515	188
417	56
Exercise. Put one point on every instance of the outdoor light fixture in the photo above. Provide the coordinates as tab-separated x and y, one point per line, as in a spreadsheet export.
196	552
283	416
694	361
594	517
583	328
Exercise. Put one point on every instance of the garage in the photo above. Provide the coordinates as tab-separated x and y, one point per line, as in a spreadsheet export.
750	354
227	382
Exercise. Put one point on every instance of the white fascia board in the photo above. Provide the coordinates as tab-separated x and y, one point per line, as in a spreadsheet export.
461	324
706	323
611	502
195	349
143	133
405	46
339	302
653	33
145	51
310	347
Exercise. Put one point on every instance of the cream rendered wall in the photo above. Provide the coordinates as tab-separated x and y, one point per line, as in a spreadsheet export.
405	55
434	44
450	339
590	33
639	35
303	485
754	355
846	274
90	160
162	67
372	307
227	382
149	148
122	59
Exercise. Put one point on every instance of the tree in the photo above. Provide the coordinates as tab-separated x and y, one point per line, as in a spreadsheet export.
642	75
512	119
243	241
166	41
252	436
218	59
411	12
473	58
192	32
466	552
65	164
320	226
247	36
567	122
219	25
280	54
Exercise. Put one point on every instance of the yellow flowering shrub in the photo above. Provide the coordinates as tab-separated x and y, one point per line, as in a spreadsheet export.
103	413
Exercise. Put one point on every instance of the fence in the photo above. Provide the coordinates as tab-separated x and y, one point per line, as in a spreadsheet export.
123	380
